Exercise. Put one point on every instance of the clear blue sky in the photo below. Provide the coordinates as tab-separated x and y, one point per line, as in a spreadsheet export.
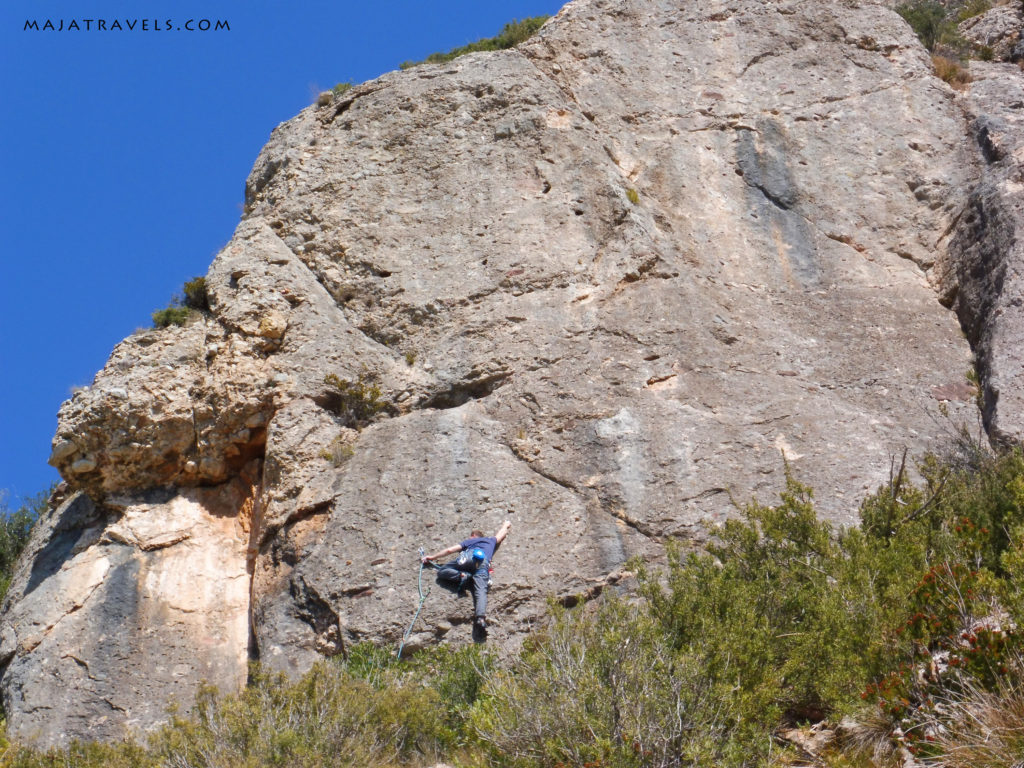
126	154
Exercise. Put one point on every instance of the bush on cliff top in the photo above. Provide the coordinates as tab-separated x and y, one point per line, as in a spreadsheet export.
182	307
511	35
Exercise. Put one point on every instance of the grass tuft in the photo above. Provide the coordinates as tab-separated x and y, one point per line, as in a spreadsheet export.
183	307
511	35
951	71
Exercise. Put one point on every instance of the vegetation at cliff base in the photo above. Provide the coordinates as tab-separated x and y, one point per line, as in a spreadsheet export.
366	711
898	637
785	620
511	35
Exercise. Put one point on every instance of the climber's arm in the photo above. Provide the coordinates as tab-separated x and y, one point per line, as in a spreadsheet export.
503	531
443	553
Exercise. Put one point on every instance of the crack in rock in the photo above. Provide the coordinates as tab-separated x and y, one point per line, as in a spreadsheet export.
637	525
460	393
537	470
594	590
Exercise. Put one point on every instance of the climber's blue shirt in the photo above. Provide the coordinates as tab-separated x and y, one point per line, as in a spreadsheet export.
488	544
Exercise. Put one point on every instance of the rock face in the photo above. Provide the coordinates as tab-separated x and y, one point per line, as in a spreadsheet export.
118	611
998	29
988	246
603	285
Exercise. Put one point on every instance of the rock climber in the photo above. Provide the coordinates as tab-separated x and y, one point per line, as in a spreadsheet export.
471	571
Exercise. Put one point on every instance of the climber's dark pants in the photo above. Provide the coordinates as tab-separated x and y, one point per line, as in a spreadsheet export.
450	577
478	586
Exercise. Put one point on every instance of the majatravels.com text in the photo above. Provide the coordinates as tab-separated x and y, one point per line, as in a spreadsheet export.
126	25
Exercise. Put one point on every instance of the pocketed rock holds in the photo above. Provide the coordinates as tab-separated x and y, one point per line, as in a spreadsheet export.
605	284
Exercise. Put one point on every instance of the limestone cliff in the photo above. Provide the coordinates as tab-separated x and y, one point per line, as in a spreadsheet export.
988	246
606	284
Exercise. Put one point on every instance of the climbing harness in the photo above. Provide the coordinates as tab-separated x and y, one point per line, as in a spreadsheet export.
423	597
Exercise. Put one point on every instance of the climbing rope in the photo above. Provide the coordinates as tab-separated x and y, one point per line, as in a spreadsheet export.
423	597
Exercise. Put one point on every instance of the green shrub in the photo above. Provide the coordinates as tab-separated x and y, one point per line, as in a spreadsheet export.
605	688
459	675
633	196
340	88
973	8
511	35
196	296
78	755
961	530
181	308
172	315
797	621
930	22
358	402
372	664
329	717
803	647
15	528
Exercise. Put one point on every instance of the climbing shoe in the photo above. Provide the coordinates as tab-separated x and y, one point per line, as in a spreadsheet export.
479	629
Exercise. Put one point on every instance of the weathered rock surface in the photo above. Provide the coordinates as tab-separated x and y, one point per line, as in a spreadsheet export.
999	29
605	285
117	612
187	407
988	247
